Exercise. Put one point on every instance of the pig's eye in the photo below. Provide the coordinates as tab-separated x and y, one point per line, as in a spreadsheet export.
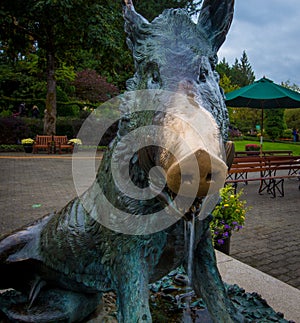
155	77
203	72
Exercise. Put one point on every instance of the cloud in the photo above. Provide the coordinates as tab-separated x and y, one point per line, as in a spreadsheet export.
268	31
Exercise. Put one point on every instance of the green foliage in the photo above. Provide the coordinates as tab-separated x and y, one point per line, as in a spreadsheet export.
290	86
232	78
68	126
238	75
287	133
292	118
245	119
274	123
5	113
11	148
151	9
223	68
241	73
66	109
226	84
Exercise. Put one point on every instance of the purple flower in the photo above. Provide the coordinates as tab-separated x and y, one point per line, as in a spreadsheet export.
227	226
220	241
225	234
234	223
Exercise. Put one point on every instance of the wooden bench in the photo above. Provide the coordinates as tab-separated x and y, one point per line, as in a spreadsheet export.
42	143
61	143
264	153
270	171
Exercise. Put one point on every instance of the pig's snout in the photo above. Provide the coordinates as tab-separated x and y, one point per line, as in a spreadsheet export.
196	174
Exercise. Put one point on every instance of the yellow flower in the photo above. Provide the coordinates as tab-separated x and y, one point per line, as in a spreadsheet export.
226	205
75	141
27	141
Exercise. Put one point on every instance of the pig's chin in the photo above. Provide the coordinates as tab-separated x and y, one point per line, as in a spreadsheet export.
177	205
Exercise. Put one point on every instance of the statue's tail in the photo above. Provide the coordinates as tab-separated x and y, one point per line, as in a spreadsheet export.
19	256
22	270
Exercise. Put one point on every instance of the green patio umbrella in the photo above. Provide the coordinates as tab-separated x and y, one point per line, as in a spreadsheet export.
263	94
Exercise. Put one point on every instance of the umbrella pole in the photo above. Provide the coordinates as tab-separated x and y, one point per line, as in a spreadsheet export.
262	131
261	145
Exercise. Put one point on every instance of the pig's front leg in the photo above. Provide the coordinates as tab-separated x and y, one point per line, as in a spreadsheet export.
133	292
207	281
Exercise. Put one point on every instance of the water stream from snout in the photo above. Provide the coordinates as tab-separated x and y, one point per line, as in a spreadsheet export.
189	241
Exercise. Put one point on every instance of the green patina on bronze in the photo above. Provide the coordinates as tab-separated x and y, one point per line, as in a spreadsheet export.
60	265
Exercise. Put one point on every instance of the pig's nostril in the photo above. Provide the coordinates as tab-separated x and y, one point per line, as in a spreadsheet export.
187	178
208	178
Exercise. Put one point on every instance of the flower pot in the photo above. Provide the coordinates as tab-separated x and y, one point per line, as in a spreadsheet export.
28	148
225	247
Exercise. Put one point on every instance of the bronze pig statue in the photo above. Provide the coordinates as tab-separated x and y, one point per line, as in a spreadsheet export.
58	267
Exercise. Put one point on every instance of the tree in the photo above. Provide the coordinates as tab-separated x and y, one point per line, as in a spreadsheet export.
81	33
93	87
274	123
223	68
56	29
241	73
151	9
232	78
292	116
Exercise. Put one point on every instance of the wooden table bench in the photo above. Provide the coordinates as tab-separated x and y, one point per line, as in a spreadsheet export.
61	143
270	171
43	143
264	153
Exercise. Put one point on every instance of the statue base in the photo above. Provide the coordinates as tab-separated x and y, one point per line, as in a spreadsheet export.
171	300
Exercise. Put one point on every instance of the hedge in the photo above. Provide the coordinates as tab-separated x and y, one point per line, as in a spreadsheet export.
13	129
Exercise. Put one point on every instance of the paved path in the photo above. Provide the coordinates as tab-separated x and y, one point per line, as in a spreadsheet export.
34	185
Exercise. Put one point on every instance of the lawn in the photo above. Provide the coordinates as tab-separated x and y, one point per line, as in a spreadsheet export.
295	147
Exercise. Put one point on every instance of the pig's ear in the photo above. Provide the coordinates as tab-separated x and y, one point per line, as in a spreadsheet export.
132	18
134	23
215	19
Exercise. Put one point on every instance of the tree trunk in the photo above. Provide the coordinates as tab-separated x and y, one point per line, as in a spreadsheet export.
50	112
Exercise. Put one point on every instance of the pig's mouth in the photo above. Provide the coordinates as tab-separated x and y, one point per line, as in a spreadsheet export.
179	208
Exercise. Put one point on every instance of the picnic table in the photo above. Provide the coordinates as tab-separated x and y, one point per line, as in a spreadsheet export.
269	171
264	153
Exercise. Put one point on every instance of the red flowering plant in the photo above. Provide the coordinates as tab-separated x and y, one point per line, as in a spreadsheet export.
229	215
252	147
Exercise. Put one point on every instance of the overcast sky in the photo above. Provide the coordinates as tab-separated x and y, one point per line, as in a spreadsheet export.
269	32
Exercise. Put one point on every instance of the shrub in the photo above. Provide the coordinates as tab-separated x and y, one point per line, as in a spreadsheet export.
287	133
11	148
93	87
12	130
252	147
